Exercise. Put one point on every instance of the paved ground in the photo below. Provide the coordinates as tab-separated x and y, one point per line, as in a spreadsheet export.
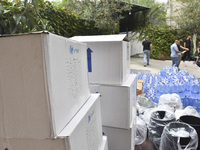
156	65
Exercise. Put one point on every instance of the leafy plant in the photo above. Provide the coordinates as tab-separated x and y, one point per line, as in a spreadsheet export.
189	18
162	37
17	17
63	22
157	14
104	13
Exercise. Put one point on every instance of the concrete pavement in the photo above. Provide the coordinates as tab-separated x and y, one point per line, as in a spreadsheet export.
156	65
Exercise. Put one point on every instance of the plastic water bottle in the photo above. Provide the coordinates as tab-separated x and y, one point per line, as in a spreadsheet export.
170	80
163	72
174	70
198	103
195	86
175	87
181	90
186	83
168	87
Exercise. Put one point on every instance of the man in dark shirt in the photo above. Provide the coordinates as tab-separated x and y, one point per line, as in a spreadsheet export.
187	44
180	49
147	46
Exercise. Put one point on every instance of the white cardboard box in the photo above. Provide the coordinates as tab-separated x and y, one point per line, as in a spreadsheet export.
84	132
117	102
110	58
104	143
121	139
43	83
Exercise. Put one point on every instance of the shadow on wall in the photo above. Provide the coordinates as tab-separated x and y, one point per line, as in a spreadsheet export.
136	47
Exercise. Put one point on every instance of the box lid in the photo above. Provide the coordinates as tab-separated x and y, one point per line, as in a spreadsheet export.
101	38
37	32
79	116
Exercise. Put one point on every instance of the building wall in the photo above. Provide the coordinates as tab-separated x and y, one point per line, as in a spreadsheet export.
173	11
135	45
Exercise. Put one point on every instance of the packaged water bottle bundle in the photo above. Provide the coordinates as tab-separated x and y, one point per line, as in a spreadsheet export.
169	81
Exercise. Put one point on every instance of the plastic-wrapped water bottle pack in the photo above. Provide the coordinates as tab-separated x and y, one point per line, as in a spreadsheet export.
169	81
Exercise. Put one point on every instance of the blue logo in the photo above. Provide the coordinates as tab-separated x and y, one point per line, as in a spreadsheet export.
90	116
89	119
72	50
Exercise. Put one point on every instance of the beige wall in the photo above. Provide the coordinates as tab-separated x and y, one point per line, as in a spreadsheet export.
173	11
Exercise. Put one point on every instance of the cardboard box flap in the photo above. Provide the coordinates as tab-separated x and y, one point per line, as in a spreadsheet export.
79	116
101	38
129	81
85	129
84	133
104	143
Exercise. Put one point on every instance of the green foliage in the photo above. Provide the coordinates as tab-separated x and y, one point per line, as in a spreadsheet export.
189	18
23	17
65	23
105	14
17	17
157	14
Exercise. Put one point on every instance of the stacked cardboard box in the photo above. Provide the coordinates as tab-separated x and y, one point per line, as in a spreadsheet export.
117	103
110	76
140	87
45	101
83	132
110	57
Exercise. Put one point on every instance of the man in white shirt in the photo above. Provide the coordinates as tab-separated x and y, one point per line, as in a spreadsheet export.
174	53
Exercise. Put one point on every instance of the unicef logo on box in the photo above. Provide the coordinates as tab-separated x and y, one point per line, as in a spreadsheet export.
72	50
90	117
